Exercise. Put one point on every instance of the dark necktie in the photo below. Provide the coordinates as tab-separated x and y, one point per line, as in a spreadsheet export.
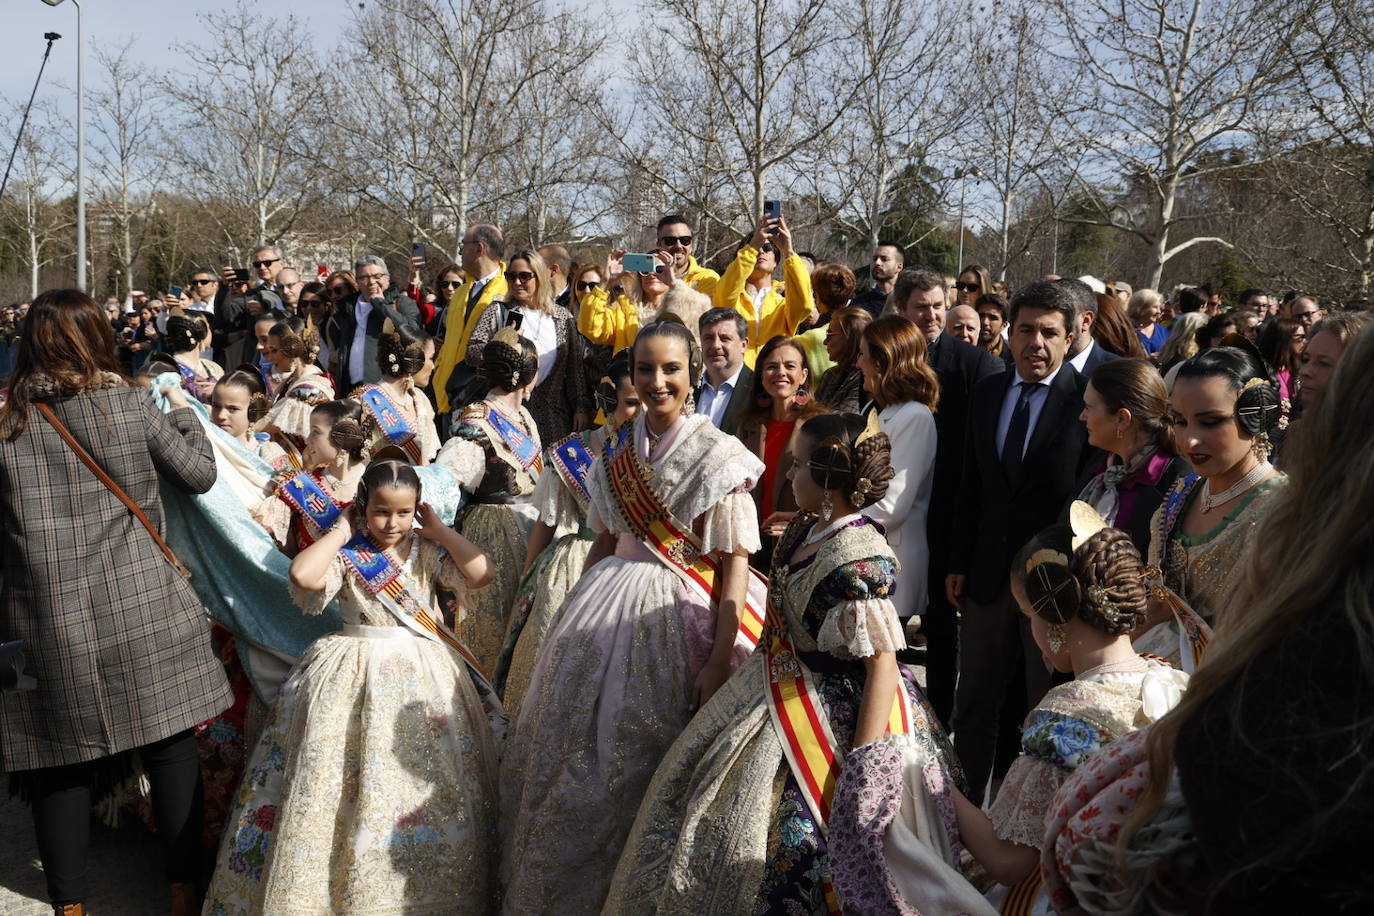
1015	443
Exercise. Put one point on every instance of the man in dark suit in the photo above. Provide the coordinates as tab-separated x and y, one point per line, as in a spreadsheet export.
1025	449
1085	354
726	381
920	296
357	323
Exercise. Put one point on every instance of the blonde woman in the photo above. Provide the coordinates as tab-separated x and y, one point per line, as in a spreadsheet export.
613	314
561	402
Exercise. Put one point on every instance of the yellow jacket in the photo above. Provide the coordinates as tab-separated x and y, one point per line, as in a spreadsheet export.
785	306
458	327
701	279
605	322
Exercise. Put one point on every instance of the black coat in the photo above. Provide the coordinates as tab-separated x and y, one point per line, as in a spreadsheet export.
960	367
342	324
739	398
996	518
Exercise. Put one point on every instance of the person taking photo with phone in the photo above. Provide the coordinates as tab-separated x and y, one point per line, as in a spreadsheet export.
769	308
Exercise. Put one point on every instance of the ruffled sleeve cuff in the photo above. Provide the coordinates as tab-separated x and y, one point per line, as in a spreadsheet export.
291	414
465	459
731	524
275	516
1019	812
861	628
314	602
557	507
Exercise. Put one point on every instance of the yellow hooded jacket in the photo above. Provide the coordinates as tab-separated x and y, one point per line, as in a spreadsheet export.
785	306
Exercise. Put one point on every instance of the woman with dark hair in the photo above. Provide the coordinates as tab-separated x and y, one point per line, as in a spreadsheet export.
399	414
138	340
905	392
188	334
735	821
772	418
1223	407
1217	329
1281	344
649	633
113	635
974	280
1253	795
1126	411
561	539
496	456
841	388
292	348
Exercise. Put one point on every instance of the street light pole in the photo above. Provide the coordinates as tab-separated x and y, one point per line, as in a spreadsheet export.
80	146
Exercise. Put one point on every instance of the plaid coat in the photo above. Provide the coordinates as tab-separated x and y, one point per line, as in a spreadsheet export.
115	637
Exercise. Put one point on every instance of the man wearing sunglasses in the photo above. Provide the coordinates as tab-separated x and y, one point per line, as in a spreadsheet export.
233	321
356	325
768	308
675	237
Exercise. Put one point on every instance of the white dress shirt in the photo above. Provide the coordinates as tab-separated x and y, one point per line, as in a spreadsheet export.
714	401
910	426
1040	393
1081	360
357	353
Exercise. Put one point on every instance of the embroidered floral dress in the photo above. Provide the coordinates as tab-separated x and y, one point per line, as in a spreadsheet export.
614	682
561	503
373	786
1072	723
724	828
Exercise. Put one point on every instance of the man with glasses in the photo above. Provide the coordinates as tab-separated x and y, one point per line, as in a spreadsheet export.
482	254
357	323
289	285
233	319
675	237
1305	311
768	308
888	261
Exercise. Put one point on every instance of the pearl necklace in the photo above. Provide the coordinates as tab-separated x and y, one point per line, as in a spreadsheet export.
1210	502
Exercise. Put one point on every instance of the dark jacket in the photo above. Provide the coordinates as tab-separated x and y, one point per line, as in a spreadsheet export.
399	308
1138	495
996	517
739	399
117	640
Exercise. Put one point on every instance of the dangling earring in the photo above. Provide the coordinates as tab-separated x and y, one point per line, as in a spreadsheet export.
689	406
1055	636
827	506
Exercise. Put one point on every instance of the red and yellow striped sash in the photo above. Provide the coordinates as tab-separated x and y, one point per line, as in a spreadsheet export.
1021	896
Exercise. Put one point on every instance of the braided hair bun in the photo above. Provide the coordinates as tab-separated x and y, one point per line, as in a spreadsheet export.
247	378
346	432
401	351
1109	569
608	389
185	332
297	338
509	361
850	455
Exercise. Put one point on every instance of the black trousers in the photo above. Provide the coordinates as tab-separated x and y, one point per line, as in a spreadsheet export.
1002	675
61	799
940	624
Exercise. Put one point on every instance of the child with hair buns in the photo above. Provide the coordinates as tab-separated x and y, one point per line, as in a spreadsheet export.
398	414
297	385
306	503
373	786
1084	588
738	817
237	403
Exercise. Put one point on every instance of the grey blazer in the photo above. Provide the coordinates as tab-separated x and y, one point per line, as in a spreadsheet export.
117	640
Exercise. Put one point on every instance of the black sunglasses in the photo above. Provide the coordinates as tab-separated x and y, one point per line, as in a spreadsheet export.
454	284
963	287
584	285
201	282
523	276
266	263
675	240
767	246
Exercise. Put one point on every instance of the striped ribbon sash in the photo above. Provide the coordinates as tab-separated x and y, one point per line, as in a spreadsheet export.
671	542
1021	896
391	421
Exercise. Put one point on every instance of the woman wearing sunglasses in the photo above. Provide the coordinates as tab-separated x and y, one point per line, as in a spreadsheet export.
561	401
974	280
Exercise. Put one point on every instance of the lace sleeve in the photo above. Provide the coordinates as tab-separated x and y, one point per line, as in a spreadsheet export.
557	507
731	524
861	620
275	516
314	602
1019	811
465	459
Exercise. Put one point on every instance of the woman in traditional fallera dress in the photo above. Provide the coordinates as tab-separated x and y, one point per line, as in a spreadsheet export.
1224	407
373	786
298	385
1084	588
398	413
561	539
498	440
652	629
732	822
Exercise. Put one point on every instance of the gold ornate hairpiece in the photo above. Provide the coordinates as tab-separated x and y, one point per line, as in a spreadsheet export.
871	429
1085	522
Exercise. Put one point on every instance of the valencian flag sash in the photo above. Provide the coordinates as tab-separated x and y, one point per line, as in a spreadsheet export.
572	460
391	421
517	442
1021	896
381	576
671	542
316	508
188	375
1194	634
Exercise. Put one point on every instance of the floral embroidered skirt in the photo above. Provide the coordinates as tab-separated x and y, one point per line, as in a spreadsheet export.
486	612
371	790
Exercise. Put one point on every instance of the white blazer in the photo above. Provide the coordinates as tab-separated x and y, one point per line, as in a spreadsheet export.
902	512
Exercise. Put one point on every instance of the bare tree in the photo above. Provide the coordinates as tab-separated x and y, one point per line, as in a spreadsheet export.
127	153
249	106
39	224
1166	83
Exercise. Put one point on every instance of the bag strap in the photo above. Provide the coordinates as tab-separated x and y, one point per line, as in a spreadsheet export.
113	487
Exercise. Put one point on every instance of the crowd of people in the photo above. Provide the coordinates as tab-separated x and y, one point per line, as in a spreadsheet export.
622	585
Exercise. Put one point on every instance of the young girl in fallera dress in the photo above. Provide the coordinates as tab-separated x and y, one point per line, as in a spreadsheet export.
373	786
237	403
398	414
298	385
